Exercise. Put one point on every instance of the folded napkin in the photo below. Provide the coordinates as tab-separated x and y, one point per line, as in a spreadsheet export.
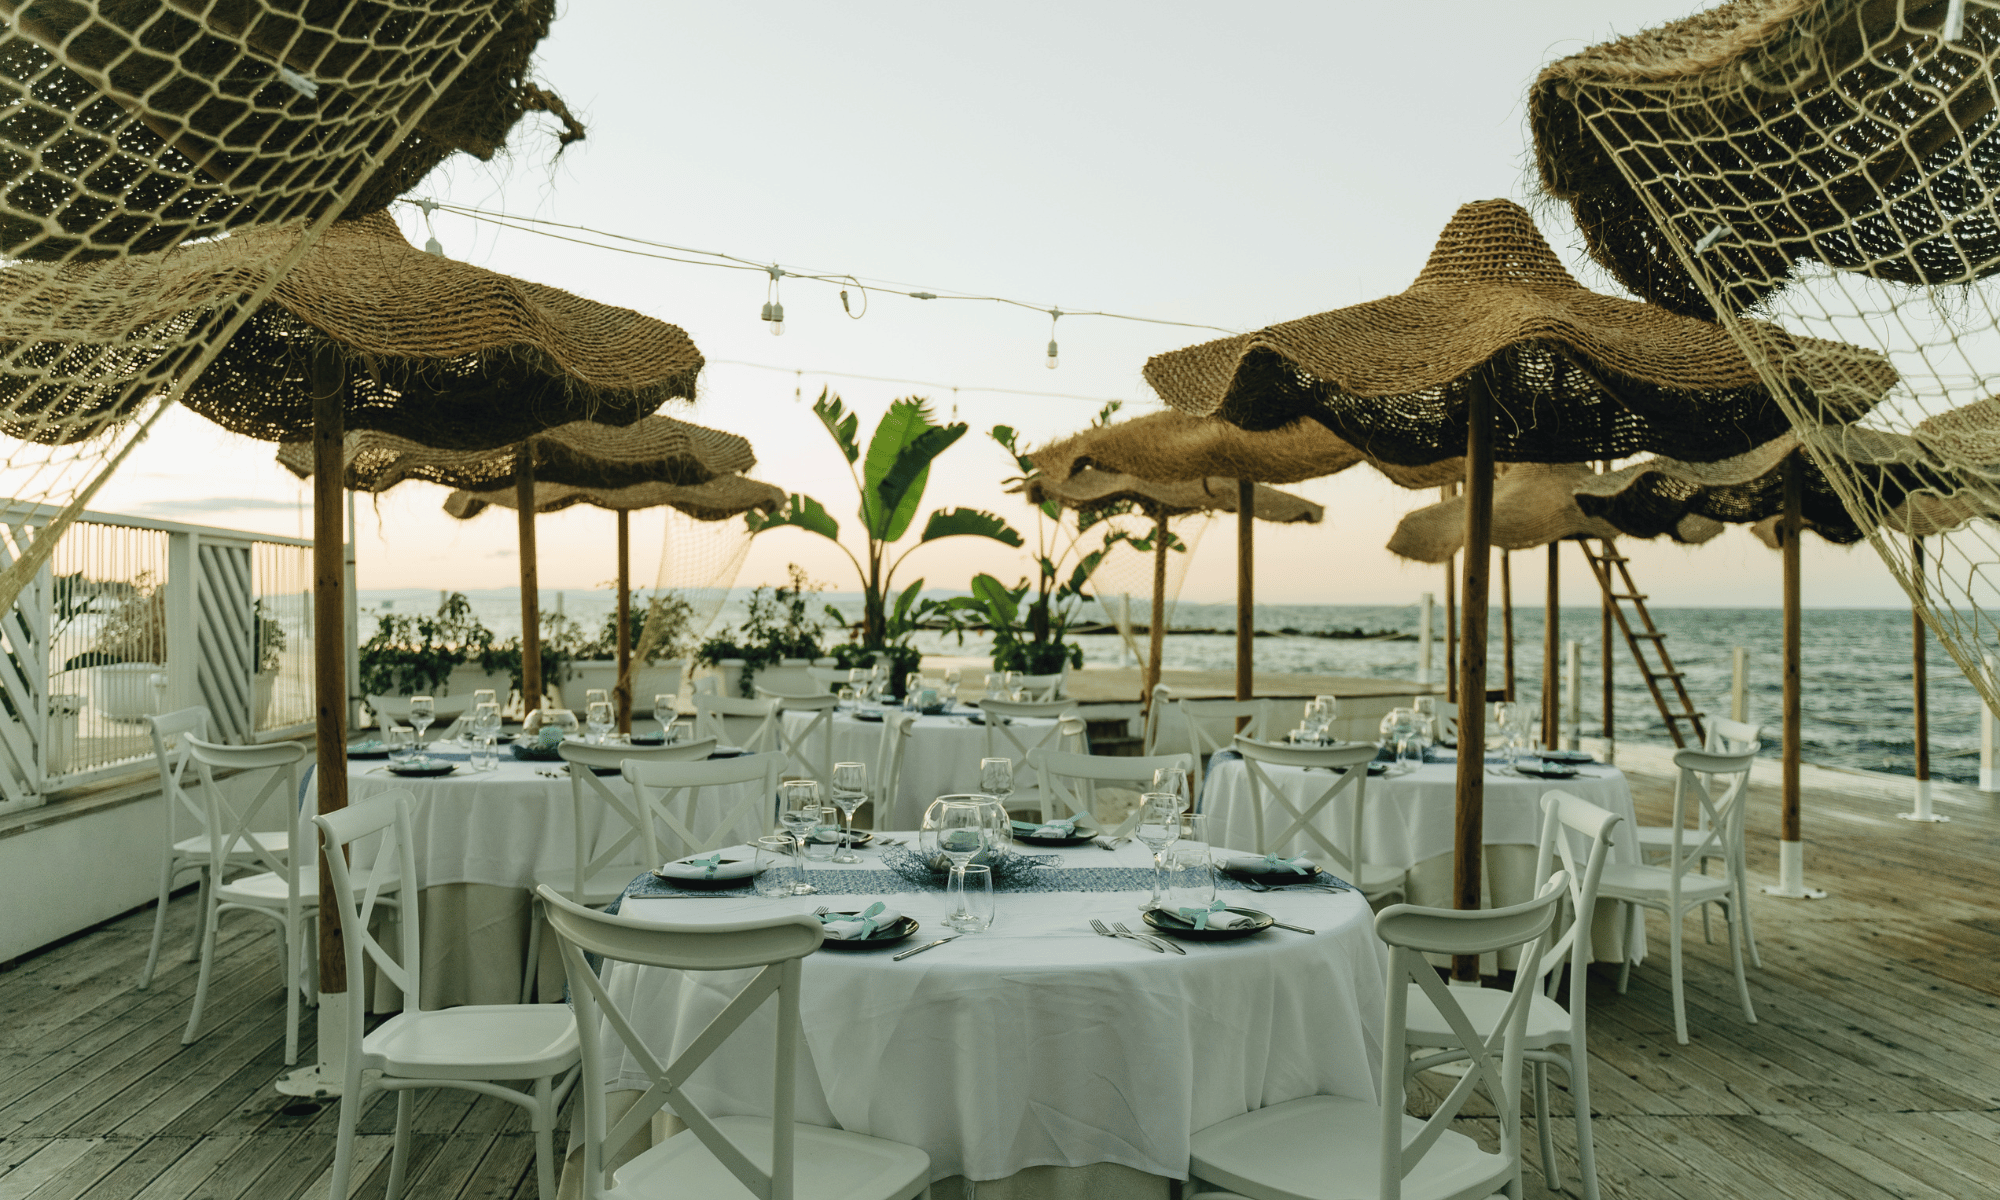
847	927
1215	916
1271	864
709	866
1069	826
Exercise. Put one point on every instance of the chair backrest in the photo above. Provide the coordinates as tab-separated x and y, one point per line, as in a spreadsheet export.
776	945
1069	781
808	744
1044	689
1732	737
1447	719
1006	737
1350	764
1210	725
1163	732
829	679
669	795
1412	933
173	760
707	685
375	834
233	821
734	721
445	706
896	730
1719	833
624	824
1566	821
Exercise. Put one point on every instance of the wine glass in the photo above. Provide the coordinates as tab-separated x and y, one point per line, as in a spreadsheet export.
664	711
401	741
1010	683
962	833
1159	827
1173	780
798	812
485	696
850	788
996	778
597	721
423	711
912	684
952	678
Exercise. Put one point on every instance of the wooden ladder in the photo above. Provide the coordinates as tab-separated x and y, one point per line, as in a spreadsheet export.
1603	562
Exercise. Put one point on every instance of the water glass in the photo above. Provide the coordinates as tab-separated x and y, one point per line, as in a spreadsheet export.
596	696
776	875
969	899
598	721
798	812
485	755
823	840
1159	828
664	711
1190	876
846	695
423	711
850	788
1173	780
402	743
485	722
996	778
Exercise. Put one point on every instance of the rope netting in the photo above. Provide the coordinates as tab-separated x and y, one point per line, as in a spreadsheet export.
1122	585
699	562
1831	164
131	127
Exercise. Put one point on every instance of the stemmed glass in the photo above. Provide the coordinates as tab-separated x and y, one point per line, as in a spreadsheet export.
857	683
664	712
1174	781
963	832
912	684
996	778
423	711
850	788
951	682
1011	684
597	721
485	727
596	696
798	812
560	719
1159	827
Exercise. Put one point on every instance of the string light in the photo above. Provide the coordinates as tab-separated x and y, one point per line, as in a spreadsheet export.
774	311
431	246
800	373
1055	314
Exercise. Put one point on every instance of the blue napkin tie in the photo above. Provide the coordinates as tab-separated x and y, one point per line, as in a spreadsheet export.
868	916
1273	863
1198	917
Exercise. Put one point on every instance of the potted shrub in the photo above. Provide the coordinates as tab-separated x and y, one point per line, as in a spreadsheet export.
129	649
270	640
660	629
777	624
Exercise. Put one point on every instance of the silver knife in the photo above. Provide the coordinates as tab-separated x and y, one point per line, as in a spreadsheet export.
926	946
1295	928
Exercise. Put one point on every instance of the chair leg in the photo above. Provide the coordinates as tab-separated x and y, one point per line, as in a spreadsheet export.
532	968
1625	968
399	1154
545	1139
1674	968
203	886
1544	1131
1736	929
209	919
351	1102
159	921
1742	874
1706	939
294	944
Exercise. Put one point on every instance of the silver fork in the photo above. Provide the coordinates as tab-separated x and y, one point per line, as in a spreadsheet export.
1105	931
1146	937
1254	886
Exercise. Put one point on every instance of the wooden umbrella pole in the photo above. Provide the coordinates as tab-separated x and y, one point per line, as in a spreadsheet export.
1551	647
1156	627
1451	629
623	692
1791	849
1507	621
1246	630
1469	829
1604	642
329	662
531	618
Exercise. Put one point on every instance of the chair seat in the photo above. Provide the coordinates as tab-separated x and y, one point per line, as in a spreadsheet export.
267	889
276	842
1548	1022
599	889
1328	1148
476	1041
1630	881
1658	838
832	1164
1377	878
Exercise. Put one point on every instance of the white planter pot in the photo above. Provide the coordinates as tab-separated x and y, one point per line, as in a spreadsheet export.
126	691
731	670
260	703
59	750
664	676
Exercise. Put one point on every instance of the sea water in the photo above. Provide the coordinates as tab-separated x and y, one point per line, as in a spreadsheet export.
1858	708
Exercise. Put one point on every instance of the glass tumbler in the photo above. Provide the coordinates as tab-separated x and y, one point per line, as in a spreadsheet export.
775	873
969	899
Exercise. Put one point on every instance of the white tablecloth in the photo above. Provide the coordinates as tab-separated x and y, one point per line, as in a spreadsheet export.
1038	1042
941	759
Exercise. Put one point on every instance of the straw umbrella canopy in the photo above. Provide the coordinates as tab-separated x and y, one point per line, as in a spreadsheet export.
1497	353
1172	446
581	454
1091	488
719	499
1765	110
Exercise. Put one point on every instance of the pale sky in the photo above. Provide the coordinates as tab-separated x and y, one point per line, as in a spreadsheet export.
1222	165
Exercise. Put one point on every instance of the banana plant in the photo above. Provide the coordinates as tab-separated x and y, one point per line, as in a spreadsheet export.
890	479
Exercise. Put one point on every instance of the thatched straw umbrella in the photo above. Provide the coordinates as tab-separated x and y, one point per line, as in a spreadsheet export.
1173	446
1496	352
1825	130
581	453
719	499
1090	488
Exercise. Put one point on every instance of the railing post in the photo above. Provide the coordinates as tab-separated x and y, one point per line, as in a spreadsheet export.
1572	712
1426	604
1989	737
1739	684
183	688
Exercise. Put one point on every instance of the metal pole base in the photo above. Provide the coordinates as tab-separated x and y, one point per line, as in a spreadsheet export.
325	1078
1923	810
1792	874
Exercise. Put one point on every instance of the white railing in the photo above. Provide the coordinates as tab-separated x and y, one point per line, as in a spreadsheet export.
134	617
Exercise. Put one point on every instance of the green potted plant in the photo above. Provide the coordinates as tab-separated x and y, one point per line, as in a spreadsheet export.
129	650
661	628
777	624
269	637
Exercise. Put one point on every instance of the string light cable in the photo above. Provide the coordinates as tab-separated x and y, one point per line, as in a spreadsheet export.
773	312
801	372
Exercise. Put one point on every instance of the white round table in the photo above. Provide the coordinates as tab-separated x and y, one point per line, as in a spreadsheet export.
941	759
1037	1043
1408	823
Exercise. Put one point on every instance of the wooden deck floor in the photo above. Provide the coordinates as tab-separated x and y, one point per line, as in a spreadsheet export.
1873	1071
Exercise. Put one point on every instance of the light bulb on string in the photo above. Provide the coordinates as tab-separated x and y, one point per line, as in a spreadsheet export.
431	245
774	309
1055	314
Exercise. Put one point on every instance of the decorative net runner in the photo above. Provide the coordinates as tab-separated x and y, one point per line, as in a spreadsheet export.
1831	166
133	126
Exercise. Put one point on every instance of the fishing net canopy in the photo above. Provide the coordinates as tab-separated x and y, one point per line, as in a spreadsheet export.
1172	447
1094	489
1533	504
132	127
1828	166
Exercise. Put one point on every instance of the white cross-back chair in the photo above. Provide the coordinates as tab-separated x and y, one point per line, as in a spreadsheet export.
896	731
715	1156
1163	733
1210	725
828	679
279	888
734	721
187	844
807	743
1678	888
676	799
1725	736
1043	689
472	1047
599	871
1007	736
1279	824
1555	1035
1336	1148
1069	781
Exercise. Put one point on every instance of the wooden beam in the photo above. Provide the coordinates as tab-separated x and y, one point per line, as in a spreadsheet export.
1551	652
1793	526
1246	622
1507	623
622	695
329	554
1156	629
1919	668
531	617
1468	841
